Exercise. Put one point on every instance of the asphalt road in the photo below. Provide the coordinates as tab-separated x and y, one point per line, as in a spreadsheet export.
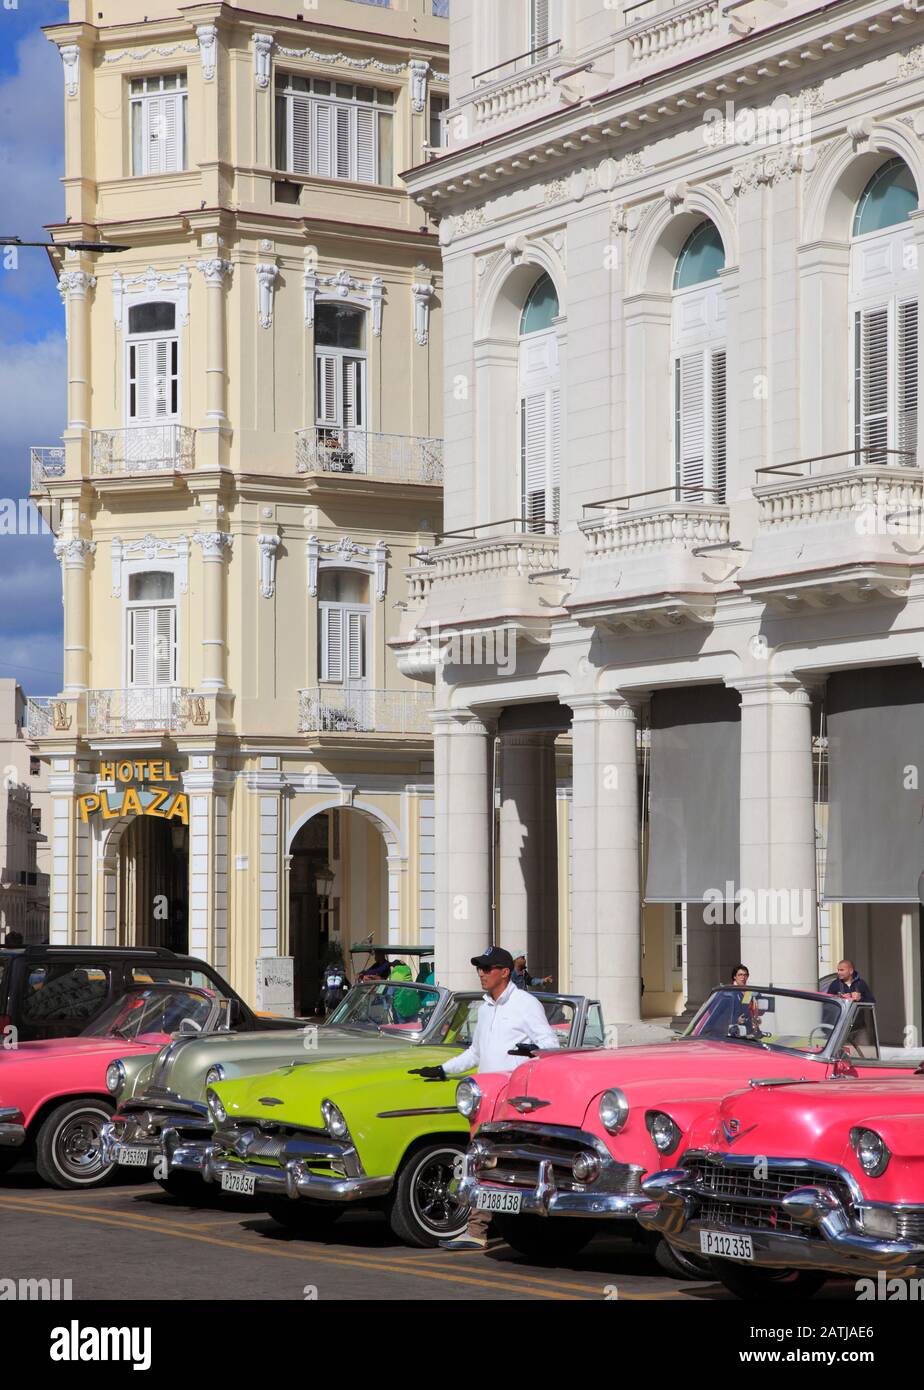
132	1241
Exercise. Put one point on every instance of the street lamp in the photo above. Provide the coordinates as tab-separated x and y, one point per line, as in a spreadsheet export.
100	246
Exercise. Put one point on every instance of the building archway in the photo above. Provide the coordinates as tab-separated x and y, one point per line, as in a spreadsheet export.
342	888
149	874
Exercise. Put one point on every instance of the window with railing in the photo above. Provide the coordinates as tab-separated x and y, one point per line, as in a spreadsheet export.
335	130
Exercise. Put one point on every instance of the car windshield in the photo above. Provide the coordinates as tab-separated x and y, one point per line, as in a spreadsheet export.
799	1023
459	1028
388	1007
142	1012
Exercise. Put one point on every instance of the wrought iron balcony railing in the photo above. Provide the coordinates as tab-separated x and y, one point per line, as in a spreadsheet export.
340	709
135	709
143	449
394	458
47	461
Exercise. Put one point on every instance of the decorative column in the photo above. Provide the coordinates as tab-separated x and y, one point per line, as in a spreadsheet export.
72	553
777	908
528	849
74	286
606	917
215	270
463	833
214	646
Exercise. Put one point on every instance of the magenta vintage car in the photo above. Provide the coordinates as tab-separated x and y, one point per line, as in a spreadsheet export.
565	1136
55	1095
782	1184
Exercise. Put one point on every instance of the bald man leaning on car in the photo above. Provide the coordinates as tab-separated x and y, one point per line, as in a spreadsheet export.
511	1025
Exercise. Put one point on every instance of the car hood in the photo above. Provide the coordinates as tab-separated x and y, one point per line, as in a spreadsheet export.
292	1095
805	1121
183	1066
55	1050
571	1083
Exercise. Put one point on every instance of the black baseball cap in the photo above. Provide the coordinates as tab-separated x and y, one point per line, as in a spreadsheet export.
494	958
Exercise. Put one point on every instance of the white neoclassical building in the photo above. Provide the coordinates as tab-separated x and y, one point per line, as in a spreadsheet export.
676	619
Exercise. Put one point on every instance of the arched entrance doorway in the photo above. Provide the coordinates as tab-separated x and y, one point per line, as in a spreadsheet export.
152	891
338	893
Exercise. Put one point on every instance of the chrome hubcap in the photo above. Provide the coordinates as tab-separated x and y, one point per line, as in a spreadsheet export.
79	1146
434	1196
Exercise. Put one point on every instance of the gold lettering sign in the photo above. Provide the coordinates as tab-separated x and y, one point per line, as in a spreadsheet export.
163	802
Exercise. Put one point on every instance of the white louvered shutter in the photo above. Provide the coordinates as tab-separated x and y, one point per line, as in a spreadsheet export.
332	644
327	411
535	459
299	109
538	23
555	460
162	379
355	647
718	428
690	427
322	140
344	144
140	381
354	385
164	662
872	386
906	434
365	145
173	134
140	646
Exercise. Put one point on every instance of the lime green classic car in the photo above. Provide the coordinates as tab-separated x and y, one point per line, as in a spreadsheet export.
309	1140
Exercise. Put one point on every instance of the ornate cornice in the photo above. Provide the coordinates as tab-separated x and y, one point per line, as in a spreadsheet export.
213	543
151	282
152	548
369	295
347	554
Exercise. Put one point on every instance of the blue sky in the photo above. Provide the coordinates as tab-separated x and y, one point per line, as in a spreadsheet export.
32	357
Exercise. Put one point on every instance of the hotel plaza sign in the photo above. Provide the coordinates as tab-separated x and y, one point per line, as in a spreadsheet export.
149	799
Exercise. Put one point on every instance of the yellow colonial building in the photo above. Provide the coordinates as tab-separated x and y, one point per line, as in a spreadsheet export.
253	456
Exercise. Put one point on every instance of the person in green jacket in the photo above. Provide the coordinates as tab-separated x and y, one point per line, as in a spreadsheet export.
406	1002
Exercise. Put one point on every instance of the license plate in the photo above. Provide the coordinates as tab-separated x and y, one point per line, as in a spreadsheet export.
243	1184
726	1246
133	1156
507	1202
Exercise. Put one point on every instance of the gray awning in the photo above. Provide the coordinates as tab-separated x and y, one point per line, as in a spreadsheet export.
694	794
875	726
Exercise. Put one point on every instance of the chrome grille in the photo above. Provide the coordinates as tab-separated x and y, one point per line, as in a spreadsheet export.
517	1152
734	1194
269	1146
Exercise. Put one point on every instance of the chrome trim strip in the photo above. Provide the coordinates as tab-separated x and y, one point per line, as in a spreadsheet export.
425	1110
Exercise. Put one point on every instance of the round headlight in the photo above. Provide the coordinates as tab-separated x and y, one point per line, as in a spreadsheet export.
665	1135
468	1099
216	1073
871	1150
115	1077
216	1109
614	1111
336	1124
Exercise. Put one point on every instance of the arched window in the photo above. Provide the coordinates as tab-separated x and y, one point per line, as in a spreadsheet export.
340	358
152	364
699	356
540	408
883	284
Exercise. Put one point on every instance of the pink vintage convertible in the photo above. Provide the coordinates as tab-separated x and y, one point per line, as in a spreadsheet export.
784	1184
55	1095
565	1137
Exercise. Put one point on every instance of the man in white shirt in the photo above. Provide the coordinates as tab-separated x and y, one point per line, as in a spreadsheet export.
511	1025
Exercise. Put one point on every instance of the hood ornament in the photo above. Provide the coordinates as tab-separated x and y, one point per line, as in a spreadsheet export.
526	1104
732	1130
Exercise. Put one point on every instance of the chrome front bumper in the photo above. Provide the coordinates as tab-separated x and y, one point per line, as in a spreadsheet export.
12	1128
832	1241
158	1132
613	1195
294	1179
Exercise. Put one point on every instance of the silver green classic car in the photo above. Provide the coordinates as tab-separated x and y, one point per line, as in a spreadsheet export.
163	1124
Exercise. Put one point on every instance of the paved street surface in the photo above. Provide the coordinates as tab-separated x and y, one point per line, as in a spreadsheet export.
132	1241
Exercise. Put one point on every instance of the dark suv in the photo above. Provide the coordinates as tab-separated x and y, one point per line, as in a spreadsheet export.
57	991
